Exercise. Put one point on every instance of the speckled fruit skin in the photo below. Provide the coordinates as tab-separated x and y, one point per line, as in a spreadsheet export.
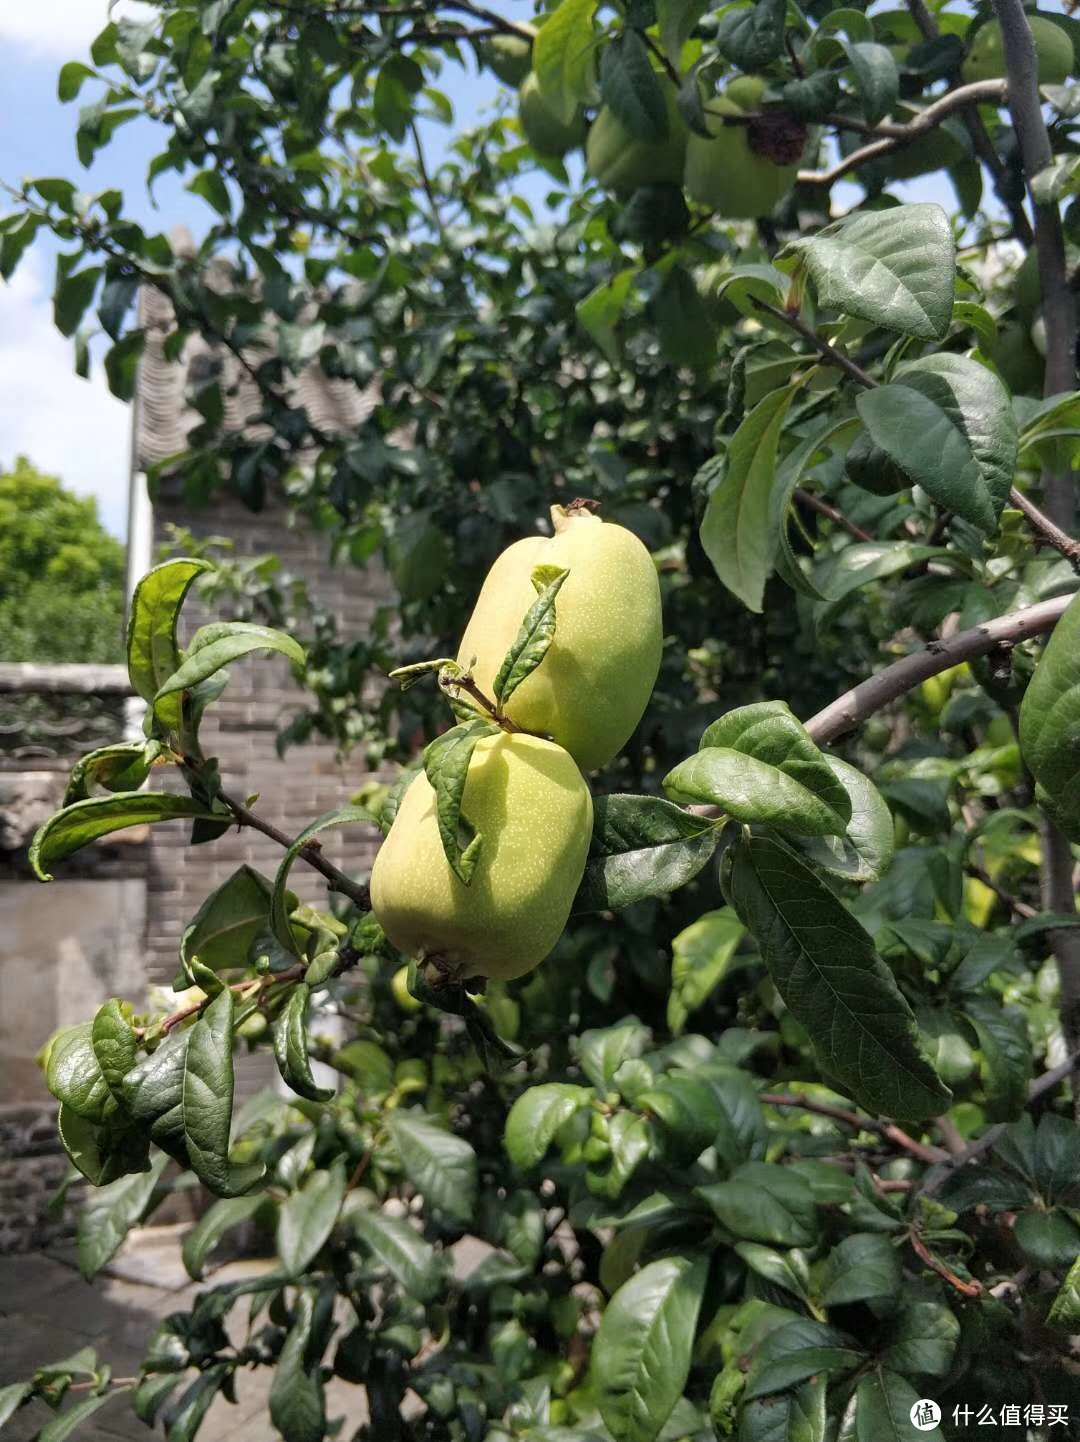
724	173
986	59
591	688
621	164
543	129
532	805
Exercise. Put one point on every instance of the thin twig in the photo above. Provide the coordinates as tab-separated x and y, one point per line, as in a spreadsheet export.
834	357
889	1130
1016	906
967	1289
311	852
425	180
824	509
1046	530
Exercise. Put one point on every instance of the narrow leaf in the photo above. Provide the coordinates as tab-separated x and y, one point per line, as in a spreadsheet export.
446	764
307	1217
345	816
152	652
109	1215
563	57
78	825
220	645
440	1165
208	1231
642	846
291	1047
533	640
207	1100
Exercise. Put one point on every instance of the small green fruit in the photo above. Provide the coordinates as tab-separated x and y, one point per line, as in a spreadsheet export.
508	56
543	129
986	58
399	987
532	807
743	171
622	163
591	688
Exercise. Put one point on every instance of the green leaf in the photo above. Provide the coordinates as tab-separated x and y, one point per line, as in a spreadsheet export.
207	1101
770	733
735	530
601	1052
535	1118
446	765
676	20
440	1165
865	561
877	78
863	1266
751	37
765	1203
864	851
153	1095
533	640
642	846
227	924
73	296
1050	723
1064	1311
602	309
186	1416
291	1047
102	1151
947	420
402	1251
751	791
641	1354
152	652
67	1423
824	966
307	1217
11	1399
77	826
208	1231
219	645
212	188
631	88
796	1416
151	1394
683	326
123	767
1006	1061
796	1351
297	1402
70	80
701	956
1048	1240
280	904
882	1407
922	1340
894	268
110	1213
563	57
74	1075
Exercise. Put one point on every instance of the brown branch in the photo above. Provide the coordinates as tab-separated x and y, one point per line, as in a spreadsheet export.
966	1289
1016	906
824	509
888	1130
977	93
253	985
311	852
828	352
1047	531
854	706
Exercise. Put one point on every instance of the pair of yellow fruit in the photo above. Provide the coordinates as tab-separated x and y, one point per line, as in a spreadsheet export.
525	793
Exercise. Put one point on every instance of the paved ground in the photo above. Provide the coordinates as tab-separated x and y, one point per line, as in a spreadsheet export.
47	1312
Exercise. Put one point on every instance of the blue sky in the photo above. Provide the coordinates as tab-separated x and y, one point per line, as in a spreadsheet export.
68	426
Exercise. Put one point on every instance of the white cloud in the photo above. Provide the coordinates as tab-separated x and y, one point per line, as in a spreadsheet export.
69	427
62	29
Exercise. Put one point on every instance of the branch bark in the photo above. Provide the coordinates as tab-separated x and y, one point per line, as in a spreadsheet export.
1059	314
854	706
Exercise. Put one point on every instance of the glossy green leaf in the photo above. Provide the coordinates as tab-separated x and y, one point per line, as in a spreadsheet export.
219	645
207	1101
752	36
796	1416
1005	1060
564	57
701	957
401	1250
297	1403
440	1165
153	1095
74	1074
67	1423
535	1118
103	1151
11	1399
765	1203
877	78
865	561
186	1416
533	640
882	1407
291	1046
77	826
641	1354
630	86
863	1266
307	1217
922	1339
735	531
152	651
797	1351
751	791
602	309
824	966
1050	723
769	732
642	846
446	764
229	921
947	421
123	767
115	1047
865	850
1064	1311
110	1213
894	268
221	1217
151	1395
601	1052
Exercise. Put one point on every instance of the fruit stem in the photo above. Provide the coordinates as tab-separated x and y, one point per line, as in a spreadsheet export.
468	685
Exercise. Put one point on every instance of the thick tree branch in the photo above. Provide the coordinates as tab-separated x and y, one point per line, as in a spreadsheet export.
980	92
854	706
